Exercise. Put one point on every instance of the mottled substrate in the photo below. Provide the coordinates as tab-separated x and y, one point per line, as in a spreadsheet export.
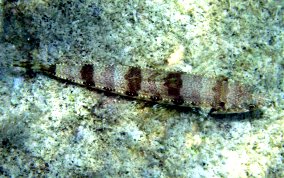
52	128
1	17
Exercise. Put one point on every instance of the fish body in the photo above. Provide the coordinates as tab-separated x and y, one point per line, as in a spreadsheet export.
220	95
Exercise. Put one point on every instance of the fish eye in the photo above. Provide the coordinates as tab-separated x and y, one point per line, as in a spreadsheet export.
251	106
222	104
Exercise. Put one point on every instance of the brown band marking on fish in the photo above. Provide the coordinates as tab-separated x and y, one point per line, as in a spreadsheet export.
176	88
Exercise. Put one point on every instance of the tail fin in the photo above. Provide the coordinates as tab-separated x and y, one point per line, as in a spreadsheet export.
23	64
35	67
27	64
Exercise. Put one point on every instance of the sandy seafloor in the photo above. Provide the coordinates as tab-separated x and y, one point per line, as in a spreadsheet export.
50	128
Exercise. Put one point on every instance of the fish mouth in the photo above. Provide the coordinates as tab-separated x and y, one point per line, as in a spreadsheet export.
253	114
245	107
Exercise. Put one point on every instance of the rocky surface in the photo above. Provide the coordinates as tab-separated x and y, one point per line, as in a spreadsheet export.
52	128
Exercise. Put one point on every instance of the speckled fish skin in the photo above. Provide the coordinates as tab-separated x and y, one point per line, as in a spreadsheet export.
218	94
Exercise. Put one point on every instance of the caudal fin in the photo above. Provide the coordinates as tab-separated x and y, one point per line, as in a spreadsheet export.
27	64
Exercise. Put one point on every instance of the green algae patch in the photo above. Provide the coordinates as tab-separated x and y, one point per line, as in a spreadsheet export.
66	130
1	18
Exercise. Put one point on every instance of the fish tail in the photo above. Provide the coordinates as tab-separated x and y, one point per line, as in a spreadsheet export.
34	66
27	64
